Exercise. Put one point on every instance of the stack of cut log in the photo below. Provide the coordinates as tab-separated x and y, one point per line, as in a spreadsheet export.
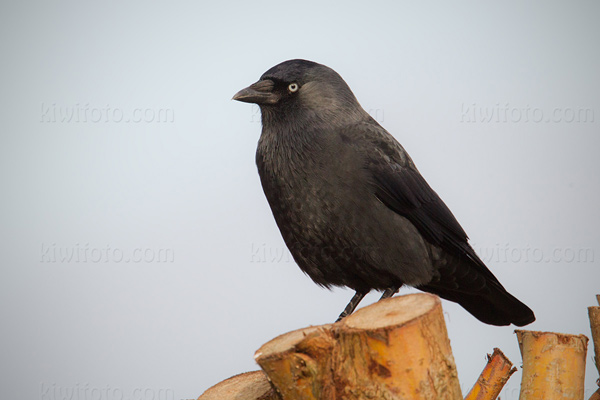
398	348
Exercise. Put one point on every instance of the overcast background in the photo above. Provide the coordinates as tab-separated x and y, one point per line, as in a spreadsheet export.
139	256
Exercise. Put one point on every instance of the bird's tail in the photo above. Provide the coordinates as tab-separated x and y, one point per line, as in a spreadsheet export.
480	293
498	307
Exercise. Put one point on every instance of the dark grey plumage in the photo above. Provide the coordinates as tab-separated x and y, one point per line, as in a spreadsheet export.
352	207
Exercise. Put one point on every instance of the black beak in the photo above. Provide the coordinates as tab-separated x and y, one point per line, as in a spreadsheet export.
260	92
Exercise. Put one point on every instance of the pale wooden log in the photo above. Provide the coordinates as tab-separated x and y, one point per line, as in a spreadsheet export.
553	365
394	349
493	378
247	386
594	314
298	363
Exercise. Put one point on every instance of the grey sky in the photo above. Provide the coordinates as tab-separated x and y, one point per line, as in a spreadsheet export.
497	104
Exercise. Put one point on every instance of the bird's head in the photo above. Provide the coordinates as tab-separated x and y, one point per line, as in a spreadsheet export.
301	91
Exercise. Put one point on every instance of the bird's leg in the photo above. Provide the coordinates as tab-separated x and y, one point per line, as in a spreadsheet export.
358	296
389	292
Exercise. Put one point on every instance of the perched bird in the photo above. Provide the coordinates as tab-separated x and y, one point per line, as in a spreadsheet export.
352	207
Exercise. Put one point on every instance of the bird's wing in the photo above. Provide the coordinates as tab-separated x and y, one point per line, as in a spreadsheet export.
399	185
463	277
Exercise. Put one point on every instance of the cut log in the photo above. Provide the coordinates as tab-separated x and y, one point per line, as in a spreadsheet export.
394	349
493	378
553	365
298	363
248	386
397	348
594	314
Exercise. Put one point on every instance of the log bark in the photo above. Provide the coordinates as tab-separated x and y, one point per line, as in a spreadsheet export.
397	348
493	378
247	386
553	365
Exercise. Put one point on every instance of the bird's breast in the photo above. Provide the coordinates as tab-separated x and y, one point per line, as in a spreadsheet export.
332	222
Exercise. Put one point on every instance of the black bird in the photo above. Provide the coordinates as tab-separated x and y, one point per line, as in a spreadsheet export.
352	207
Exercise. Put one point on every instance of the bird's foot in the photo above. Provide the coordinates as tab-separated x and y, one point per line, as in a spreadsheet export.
389	292
358	296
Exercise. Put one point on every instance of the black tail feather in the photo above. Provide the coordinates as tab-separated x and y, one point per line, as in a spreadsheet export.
498	307
480	294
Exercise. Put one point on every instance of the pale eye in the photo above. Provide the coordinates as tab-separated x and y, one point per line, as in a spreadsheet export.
293	87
